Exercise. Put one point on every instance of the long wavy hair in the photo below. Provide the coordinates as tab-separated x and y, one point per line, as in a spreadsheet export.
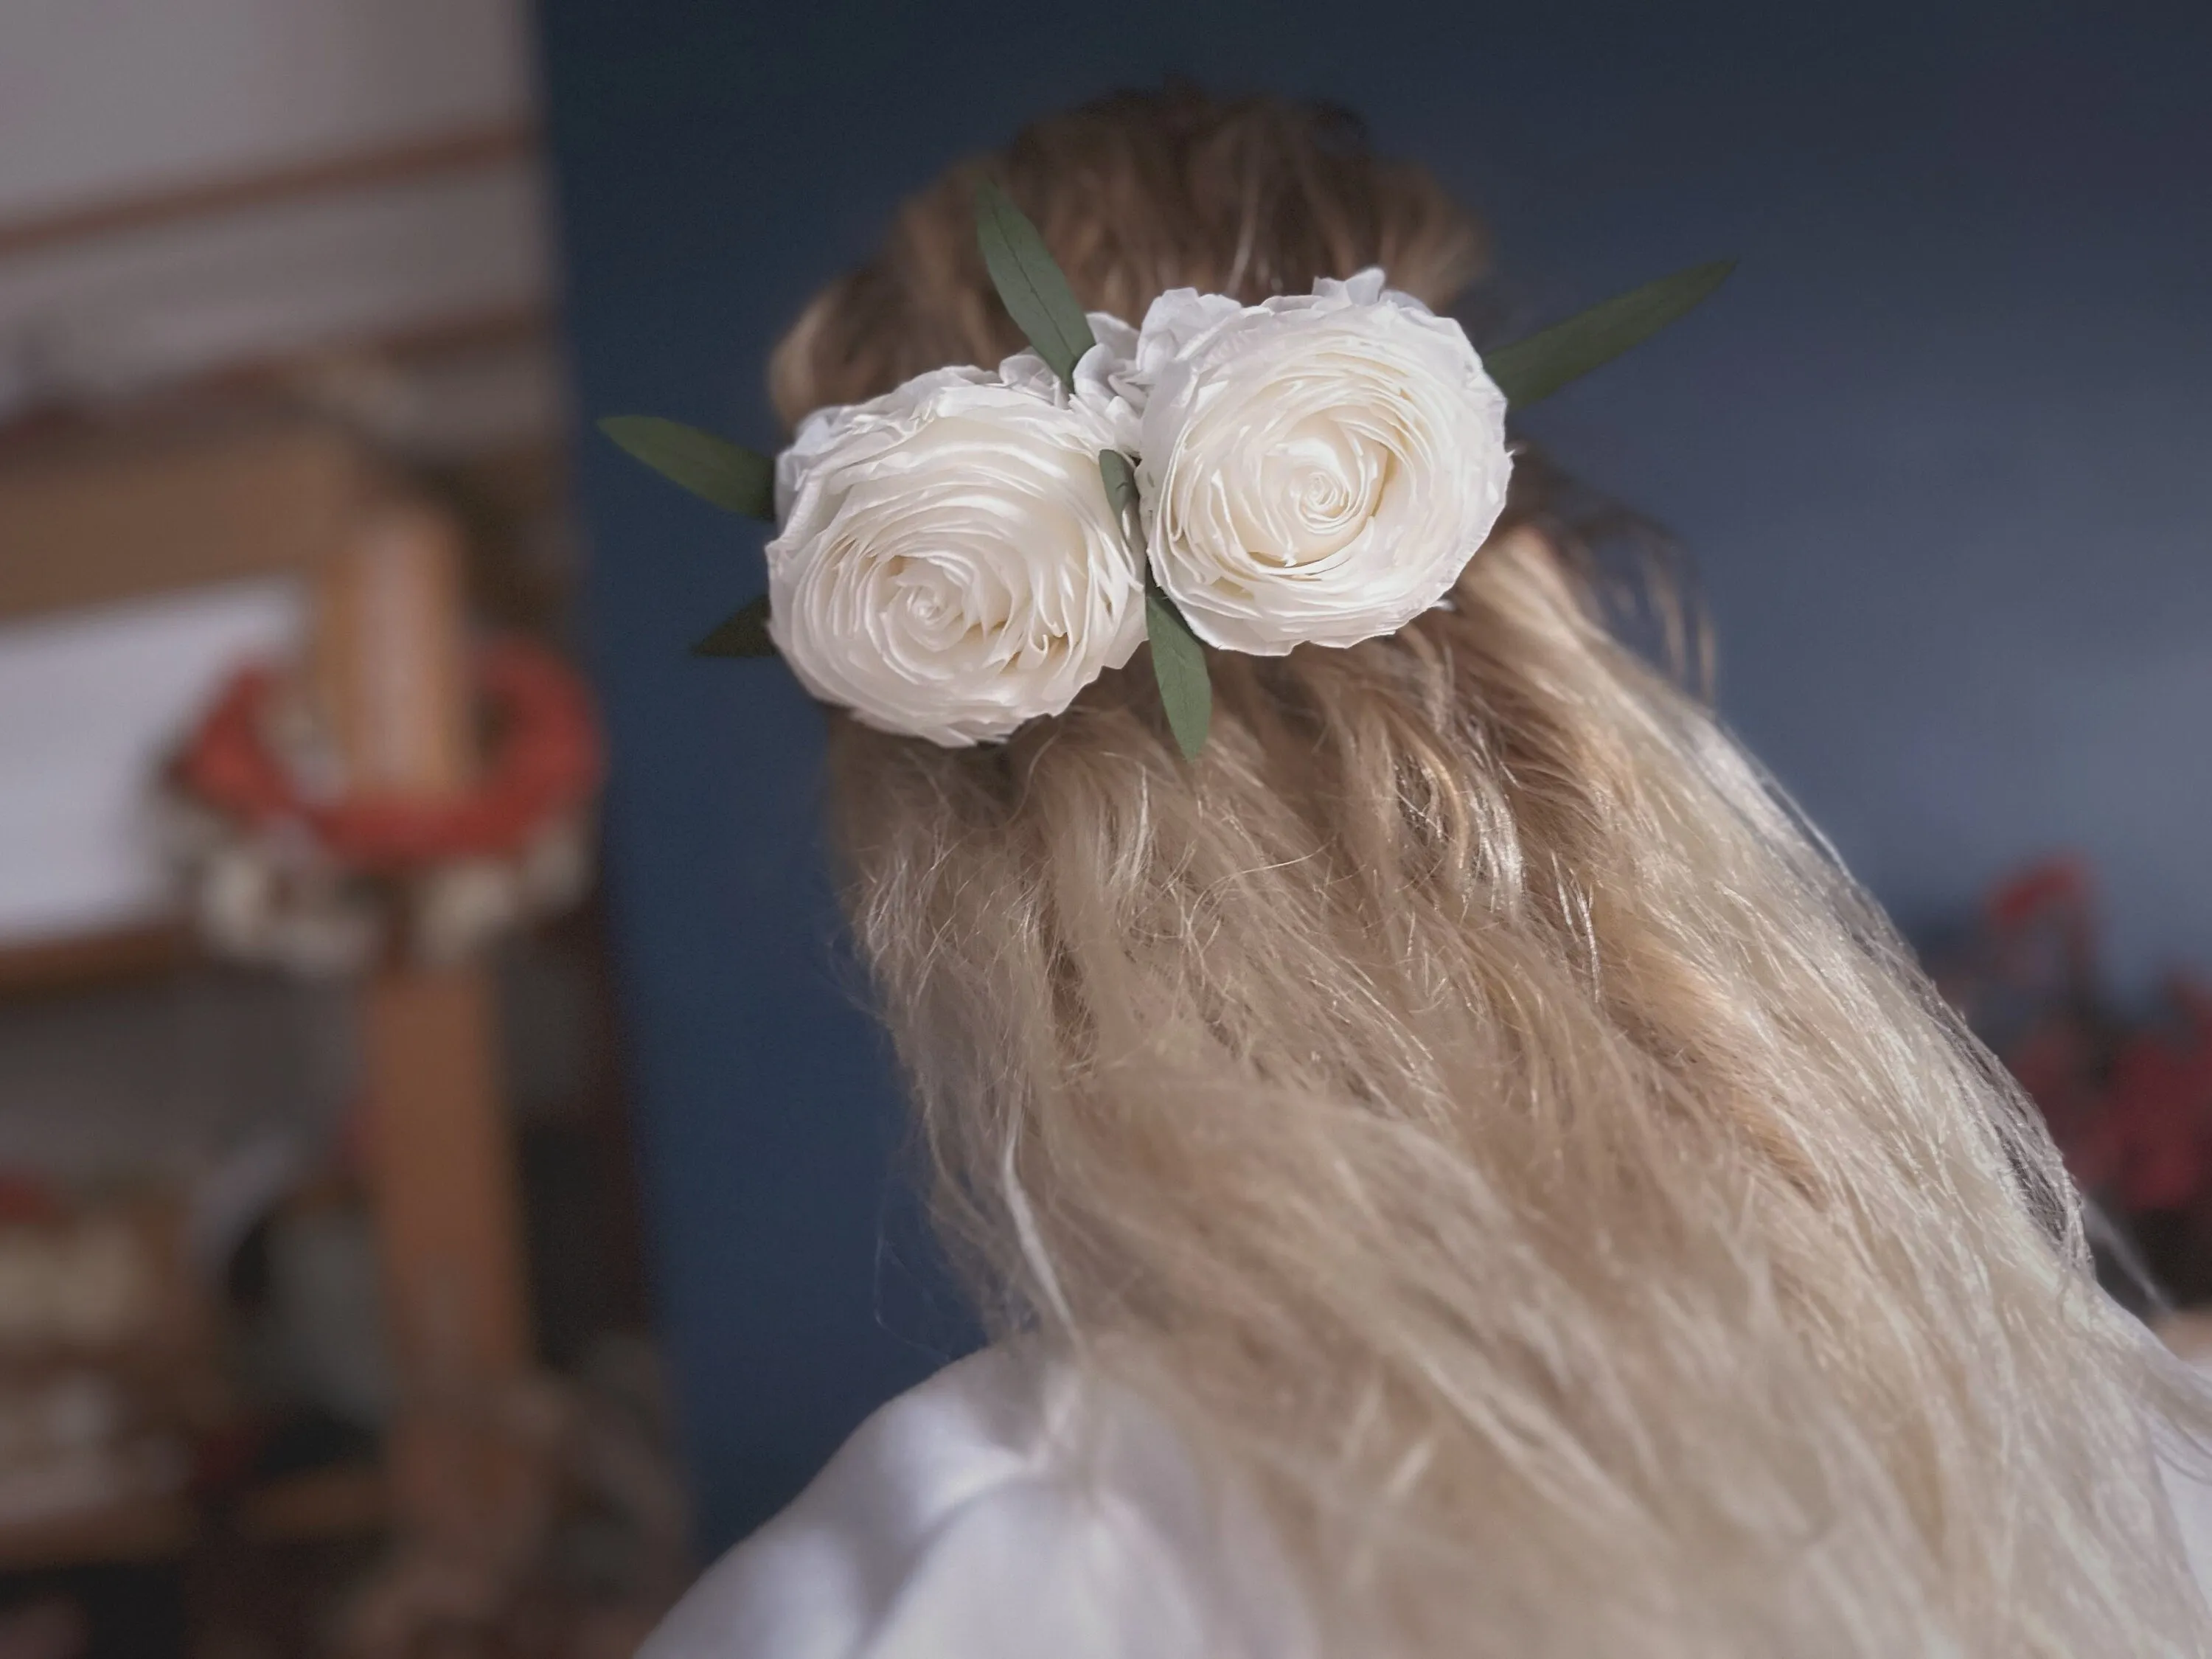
1466	1101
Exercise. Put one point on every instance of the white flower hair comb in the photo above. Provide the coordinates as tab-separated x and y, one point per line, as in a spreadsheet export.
968	552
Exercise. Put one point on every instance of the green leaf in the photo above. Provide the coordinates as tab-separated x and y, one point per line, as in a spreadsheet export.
1030	283
1179	665
1178	659
1119	473
1535	368
743	633
733	478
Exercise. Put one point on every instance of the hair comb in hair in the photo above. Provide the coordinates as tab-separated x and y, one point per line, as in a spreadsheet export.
968	552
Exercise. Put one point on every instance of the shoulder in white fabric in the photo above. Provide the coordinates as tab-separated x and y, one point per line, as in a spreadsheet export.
1006	1509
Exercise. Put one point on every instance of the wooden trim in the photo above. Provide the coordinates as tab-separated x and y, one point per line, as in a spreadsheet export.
461	335
490	329
258	390
342	1501
151	1526
116	515
76	962
393	164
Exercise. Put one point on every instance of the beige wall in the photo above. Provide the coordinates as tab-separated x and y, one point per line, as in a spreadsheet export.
108	101
112	97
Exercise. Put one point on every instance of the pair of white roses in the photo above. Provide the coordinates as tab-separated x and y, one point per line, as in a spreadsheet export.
1316	469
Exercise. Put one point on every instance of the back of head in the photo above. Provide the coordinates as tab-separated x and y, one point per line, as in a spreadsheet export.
1463	1098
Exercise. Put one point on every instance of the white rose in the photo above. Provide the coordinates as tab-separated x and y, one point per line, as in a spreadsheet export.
1106	380
948	566
1314	469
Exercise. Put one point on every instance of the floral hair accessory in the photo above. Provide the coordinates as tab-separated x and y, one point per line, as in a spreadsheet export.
965	553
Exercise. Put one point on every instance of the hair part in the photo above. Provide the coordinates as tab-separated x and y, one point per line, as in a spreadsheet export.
1465	1099
1135	194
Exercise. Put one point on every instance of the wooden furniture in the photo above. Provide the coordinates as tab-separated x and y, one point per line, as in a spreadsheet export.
389	666
98	518
121	1341
95	517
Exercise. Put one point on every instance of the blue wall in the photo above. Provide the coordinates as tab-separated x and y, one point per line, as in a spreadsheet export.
1942	452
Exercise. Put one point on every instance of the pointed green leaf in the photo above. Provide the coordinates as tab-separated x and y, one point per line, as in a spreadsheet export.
1179	665
1030	283
1119	473
734	478
1537	367
743	633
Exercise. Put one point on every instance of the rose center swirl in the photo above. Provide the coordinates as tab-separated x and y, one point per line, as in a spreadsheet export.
1320	484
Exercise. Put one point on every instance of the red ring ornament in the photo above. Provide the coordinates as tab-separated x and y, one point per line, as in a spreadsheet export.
546	763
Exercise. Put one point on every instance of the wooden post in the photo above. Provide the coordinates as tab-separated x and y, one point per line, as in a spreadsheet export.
388	679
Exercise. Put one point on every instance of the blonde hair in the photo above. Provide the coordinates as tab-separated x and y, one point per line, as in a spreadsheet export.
1465	1100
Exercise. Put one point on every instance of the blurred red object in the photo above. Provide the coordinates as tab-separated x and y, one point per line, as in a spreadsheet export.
2129	1101
547	764
26	1199
2160	1101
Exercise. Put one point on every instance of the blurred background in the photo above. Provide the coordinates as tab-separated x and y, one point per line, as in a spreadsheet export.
449	1186
323	1324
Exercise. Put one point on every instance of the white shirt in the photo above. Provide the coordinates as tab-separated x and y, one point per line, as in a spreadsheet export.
972	1519
985	1515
